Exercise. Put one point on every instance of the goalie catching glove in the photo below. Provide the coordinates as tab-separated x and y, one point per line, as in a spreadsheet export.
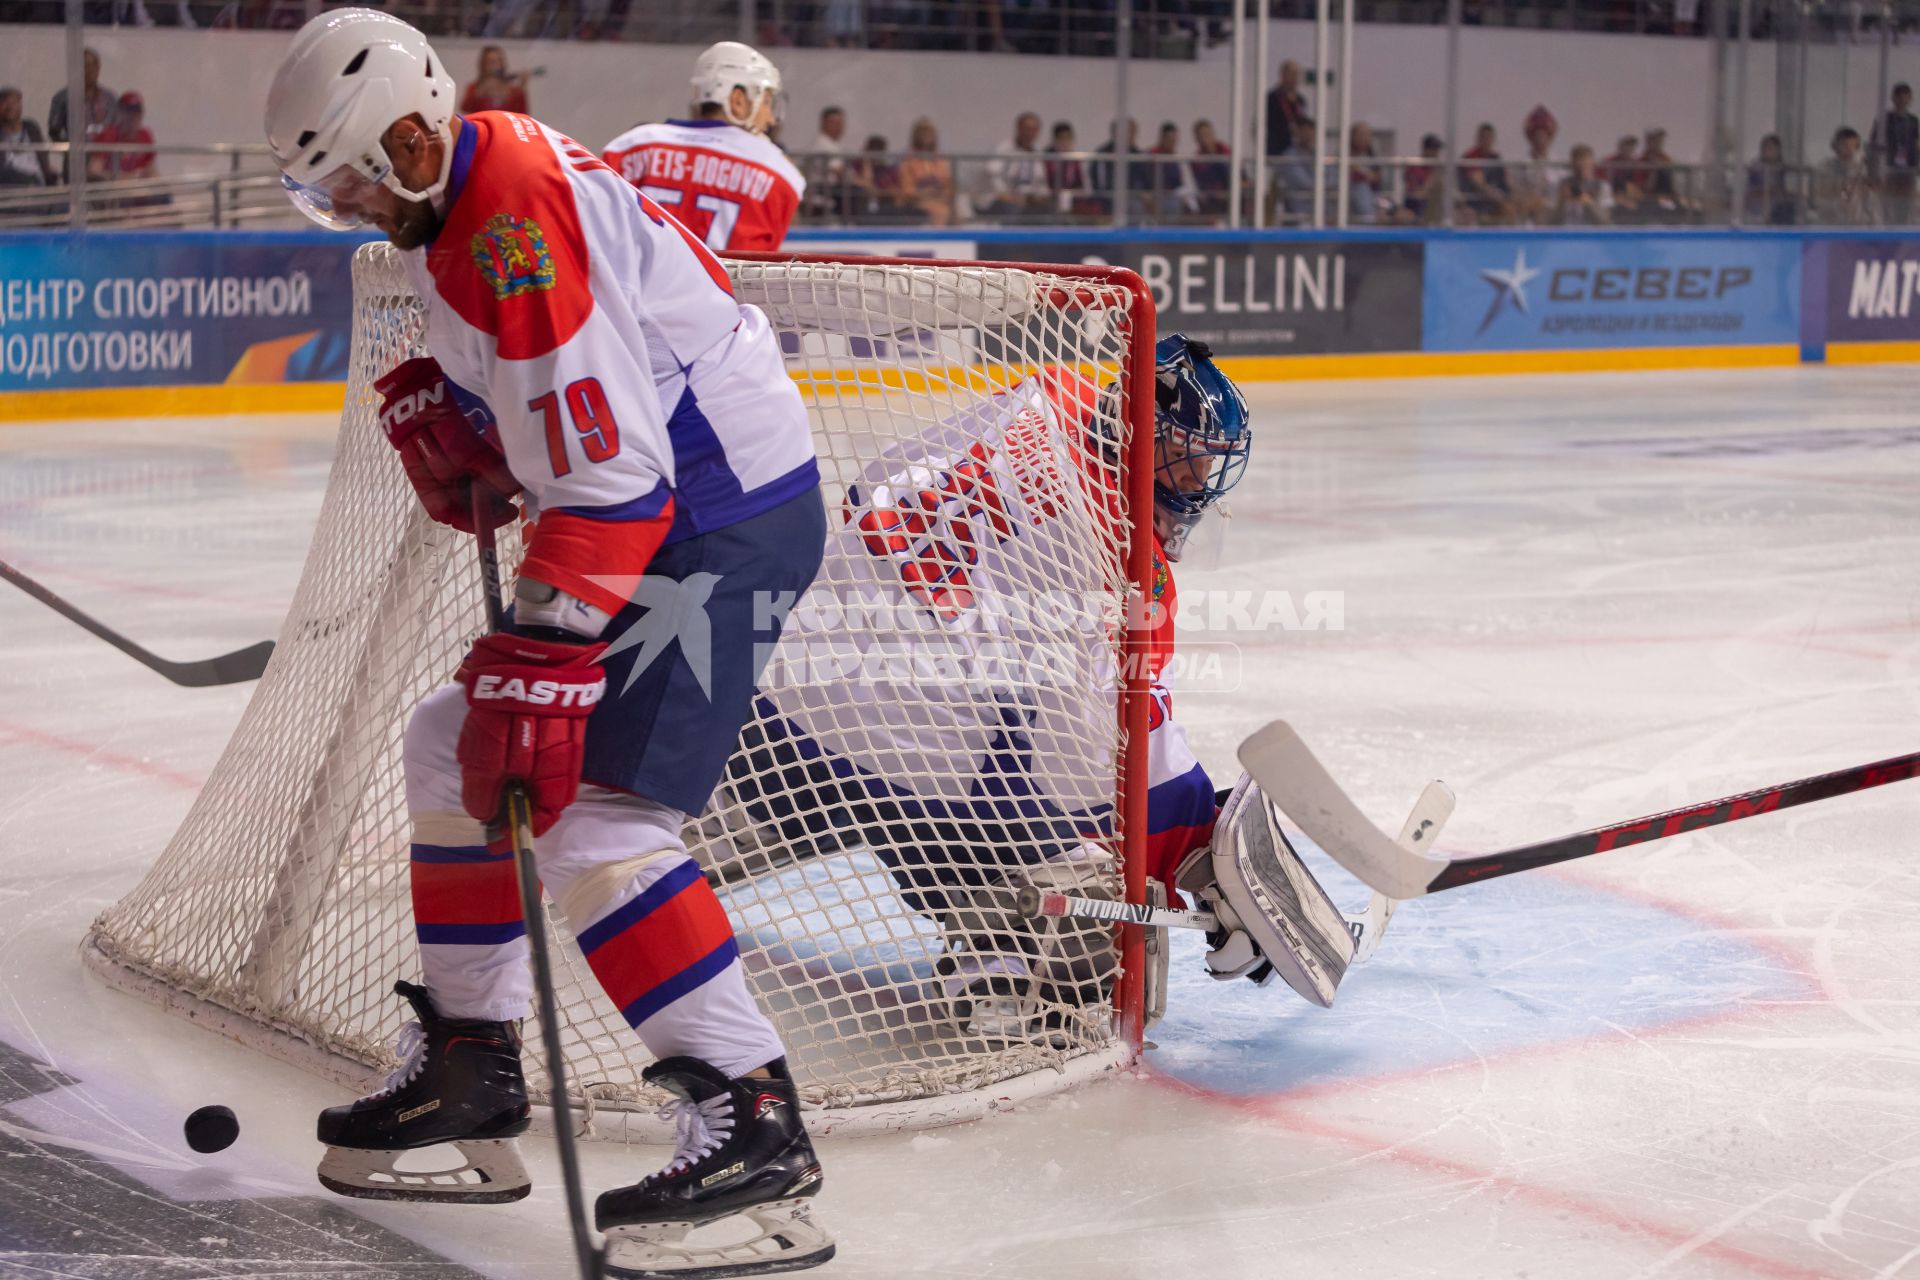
441	450
527	707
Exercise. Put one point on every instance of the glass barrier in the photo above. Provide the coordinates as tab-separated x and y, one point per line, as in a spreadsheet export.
234	186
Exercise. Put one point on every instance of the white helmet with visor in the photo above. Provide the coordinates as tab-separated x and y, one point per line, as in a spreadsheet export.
348	76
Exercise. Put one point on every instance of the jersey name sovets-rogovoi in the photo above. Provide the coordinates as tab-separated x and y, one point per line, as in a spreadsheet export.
732	188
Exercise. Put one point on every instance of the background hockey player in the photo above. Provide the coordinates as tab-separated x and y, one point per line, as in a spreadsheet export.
718	173
914	525
589	357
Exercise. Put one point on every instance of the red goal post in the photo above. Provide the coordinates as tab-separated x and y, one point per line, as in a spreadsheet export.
1135	704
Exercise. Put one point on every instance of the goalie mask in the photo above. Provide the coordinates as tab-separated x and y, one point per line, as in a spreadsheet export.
1202	438
348	76
731	65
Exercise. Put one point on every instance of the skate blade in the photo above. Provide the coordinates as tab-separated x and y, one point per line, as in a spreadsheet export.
1003	1018
788	1240
492	1173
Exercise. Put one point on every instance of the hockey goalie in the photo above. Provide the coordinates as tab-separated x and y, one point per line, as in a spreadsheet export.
964	753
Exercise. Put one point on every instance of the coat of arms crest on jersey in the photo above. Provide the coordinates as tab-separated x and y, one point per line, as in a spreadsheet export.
512	254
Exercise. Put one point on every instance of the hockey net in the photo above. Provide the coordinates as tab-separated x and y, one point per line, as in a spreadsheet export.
280	912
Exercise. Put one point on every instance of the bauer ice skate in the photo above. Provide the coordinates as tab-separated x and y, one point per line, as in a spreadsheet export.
458	1083
733	1201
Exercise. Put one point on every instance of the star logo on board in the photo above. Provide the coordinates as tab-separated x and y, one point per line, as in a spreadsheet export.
1510	284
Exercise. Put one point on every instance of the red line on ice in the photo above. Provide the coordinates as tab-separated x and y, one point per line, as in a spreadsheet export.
1276	1110
98	754
1282	1107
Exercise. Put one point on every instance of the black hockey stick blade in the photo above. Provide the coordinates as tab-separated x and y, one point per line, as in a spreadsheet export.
1307	794
228	668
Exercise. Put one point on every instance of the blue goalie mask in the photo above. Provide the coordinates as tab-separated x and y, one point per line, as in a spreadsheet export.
1202	437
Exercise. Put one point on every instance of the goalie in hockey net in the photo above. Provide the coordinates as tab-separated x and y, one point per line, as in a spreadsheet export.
953	528
647	418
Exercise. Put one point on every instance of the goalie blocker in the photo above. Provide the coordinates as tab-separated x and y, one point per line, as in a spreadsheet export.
1273	915
1269	913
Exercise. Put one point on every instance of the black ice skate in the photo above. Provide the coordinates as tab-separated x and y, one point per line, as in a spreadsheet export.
741	1175
458	1082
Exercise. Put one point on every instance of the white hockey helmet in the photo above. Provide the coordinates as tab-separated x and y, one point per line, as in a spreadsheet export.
348	76
731	65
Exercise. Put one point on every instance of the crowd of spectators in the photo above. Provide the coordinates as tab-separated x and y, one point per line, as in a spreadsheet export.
1857	184
116	121
1045	173
1862	182
1039	174
1161	28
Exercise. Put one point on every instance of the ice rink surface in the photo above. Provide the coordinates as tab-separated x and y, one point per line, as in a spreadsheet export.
1575	599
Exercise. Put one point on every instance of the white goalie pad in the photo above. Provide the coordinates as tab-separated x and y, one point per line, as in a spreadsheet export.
1262	881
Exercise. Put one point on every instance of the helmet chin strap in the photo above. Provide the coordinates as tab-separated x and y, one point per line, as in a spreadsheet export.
753	112
435	194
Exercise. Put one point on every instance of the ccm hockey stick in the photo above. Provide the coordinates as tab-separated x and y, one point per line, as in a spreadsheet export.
1417	835
1308	795
229	668
1422	828
517	817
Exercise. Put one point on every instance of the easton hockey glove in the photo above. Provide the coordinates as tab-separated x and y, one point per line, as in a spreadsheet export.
439	448
527	707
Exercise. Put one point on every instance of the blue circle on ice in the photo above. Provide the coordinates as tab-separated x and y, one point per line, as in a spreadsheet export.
1512	964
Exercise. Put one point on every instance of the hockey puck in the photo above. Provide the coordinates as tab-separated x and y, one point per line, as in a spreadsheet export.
212	1129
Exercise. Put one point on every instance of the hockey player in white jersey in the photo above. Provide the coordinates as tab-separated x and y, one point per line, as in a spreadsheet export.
719	173
589	359
989	505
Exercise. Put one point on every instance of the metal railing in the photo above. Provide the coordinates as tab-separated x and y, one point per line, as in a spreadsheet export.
1080	188
236	185
219	185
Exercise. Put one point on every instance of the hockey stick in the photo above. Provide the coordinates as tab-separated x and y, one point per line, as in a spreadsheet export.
229	668
1422	828
1036	904
517	817
1307	794
1417	834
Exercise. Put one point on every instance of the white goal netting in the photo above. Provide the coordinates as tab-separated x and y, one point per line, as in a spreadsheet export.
943	720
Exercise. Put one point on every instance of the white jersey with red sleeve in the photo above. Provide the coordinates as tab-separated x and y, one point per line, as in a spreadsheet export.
732	188
636	400
971	540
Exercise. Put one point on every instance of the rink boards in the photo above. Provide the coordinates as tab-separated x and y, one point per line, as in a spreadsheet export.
119	323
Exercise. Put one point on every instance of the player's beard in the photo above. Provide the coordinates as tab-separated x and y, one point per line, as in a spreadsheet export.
414	223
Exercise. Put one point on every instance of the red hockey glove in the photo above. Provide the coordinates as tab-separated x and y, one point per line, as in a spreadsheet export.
439	448
527	708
